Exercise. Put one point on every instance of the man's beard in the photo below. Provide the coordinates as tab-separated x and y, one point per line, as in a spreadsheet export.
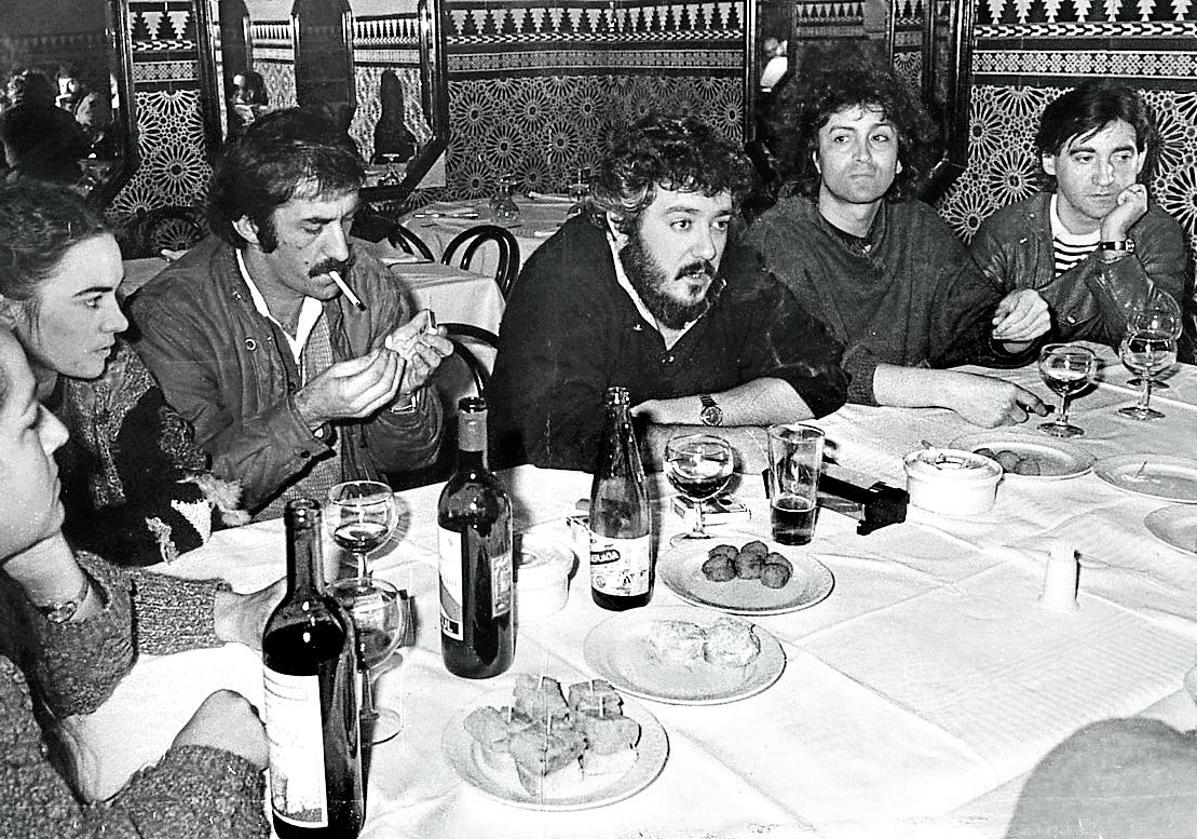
649	279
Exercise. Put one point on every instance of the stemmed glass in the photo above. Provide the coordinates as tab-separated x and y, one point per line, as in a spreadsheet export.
1067	369
392	176
361	516
1146	353
1158	314
381	615
578	191
699	466
503	209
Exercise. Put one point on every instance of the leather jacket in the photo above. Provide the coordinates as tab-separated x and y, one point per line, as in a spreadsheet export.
220	365
1090	300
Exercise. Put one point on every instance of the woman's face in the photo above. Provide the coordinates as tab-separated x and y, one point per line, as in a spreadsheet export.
74	319
30	510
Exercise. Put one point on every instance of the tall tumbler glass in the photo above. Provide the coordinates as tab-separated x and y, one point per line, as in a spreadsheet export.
795	459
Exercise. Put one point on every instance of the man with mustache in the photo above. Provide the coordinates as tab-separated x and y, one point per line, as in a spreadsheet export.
290	385
1091	244
635	293
881	269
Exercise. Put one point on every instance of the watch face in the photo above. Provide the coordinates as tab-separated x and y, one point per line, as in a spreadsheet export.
712	415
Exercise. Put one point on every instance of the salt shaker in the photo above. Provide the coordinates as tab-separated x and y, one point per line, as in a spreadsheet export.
1060	579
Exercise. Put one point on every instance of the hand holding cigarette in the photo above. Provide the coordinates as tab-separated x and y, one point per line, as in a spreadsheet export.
422	344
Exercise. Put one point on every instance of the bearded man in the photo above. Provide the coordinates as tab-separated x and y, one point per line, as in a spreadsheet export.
633	294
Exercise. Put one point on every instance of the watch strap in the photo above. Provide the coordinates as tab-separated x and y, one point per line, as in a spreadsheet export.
1127	245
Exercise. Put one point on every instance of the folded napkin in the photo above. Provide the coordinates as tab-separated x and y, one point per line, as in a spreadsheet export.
447	210
549	197
401	259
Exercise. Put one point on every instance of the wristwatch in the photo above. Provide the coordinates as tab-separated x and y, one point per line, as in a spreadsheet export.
1127	245
63	611
711	413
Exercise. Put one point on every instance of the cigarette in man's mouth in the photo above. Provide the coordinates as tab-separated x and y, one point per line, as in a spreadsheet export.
347	291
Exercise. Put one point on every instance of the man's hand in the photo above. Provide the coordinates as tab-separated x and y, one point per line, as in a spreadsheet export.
226	720
351	389
241	618
1132	204
422	346
990	402
1022	315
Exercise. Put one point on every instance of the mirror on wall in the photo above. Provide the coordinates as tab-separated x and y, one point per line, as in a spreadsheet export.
67	95
927	42
376	66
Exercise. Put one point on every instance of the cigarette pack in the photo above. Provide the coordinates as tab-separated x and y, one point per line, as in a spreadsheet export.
722	509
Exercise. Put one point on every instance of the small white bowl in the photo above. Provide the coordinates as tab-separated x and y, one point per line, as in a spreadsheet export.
952	482
542	569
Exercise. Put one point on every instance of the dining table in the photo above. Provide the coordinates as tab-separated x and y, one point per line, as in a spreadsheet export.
920	680
540	216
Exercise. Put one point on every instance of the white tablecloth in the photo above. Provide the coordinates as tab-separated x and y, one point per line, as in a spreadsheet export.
913	699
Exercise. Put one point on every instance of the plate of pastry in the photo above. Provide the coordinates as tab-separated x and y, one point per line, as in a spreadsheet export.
1028	456
538	746
753	578
684	656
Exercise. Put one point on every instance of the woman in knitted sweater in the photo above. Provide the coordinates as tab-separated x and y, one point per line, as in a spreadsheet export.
135	486
69	629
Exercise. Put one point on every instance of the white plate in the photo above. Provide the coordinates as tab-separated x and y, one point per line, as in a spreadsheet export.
681	570
1153	475
464	755
1177	526
1057	459
618	650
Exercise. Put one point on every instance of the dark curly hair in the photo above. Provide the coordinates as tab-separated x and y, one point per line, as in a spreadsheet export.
805	102
39	223
279	155
675	153
1090	107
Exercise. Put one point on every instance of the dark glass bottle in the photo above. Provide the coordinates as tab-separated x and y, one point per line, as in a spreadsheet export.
622	564
311	706
475	536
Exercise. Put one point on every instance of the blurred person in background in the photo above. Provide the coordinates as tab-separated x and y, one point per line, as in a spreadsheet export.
41	140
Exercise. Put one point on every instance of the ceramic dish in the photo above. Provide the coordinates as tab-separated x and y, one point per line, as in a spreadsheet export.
1153	475
463	754
1175	526
618	649
681	571
1056	459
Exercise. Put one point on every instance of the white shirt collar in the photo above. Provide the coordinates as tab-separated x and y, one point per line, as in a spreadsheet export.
309	313
626	285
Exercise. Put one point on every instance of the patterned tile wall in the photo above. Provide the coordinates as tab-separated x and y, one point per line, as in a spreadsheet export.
1027	53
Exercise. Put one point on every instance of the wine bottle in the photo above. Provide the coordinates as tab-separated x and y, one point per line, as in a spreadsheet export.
474	524
622	564
311	704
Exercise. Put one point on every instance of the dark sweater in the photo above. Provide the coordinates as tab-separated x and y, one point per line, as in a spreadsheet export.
907	295
571	331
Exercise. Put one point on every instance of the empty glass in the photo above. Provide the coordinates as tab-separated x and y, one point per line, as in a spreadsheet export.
503	209
1146	353
1067	369
1159	313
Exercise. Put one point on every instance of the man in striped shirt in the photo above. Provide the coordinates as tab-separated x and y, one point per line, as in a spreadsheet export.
1091	244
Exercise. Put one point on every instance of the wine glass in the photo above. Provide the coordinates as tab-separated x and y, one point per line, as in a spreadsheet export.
1146	353
578	190
381	615
1158	314
361	516
1066	369
503	209
699	466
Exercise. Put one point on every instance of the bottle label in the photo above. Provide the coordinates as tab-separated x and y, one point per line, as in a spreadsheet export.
620	567
449	545
298	794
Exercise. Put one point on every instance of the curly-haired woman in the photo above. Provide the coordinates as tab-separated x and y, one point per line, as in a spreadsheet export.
135	487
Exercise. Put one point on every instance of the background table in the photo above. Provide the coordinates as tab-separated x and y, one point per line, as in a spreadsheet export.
914	698
437	224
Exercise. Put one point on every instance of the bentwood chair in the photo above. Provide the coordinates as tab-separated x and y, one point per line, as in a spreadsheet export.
409	242
470	241
373	226
174	228
462	335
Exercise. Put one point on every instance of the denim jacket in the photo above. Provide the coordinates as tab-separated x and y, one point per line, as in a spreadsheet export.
1090	300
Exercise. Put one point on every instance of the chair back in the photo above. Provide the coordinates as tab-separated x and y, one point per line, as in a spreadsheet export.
174	227
462	335
469	241
409	242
